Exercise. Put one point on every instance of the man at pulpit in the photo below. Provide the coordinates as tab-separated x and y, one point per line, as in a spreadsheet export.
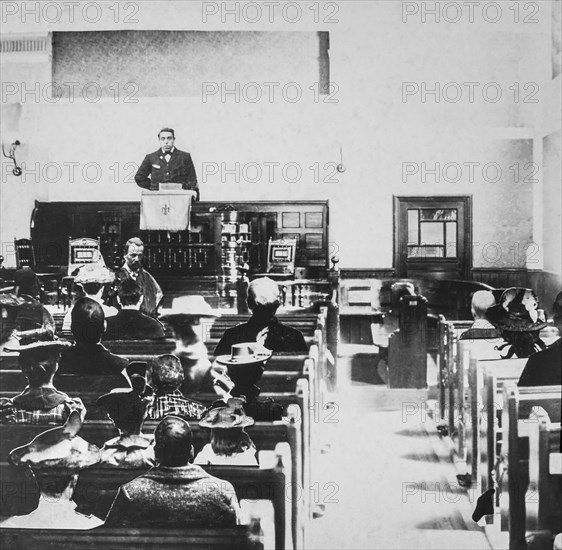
132	269
167	165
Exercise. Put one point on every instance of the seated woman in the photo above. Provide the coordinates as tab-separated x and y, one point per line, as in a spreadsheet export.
519	321
40	402
185	319
128	409
55	458
230	444
167	379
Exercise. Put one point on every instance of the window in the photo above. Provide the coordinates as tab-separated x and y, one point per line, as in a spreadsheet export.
432	233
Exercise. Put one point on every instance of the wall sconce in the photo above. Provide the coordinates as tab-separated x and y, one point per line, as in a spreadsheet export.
12	155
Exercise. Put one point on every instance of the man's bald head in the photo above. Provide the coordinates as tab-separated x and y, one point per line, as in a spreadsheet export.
173	442
263	296
481	301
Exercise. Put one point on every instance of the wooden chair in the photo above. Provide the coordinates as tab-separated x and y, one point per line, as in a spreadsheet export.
81	252
25	253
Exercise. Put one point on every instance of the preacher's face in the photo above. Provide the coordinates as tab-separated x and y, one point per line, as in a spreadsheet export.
166	141
134	257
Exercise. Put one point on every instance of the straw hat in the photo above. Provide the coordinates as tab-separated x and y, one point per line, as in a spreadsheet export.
94	273
245	354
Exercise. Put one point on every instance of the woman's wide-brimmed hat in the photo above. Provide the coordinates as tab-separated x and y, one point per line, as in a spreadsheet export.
231	416
94	273
189	306
517	311
38	345
59	449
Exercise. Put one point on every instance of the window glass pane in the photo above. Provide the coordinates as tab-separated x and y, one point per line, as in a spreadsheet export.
431	233
434	214
413	236
451	239
421	252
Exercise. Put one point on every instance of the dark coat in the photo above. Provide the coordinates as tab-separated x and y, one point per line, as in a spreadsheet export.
93	361
281	338
131	324
174	498
154	170
150	289
543	368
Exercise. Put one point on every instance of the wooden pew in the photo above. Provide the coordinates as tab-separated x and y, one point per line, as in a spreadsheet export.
241	537
459	412
514	476
544	494
484	398
496	373
448	334
294	430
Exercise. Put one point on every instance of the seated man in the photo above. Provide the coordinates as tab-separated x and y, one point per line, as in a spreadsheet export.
263	327
167	379
127	409
544	368
130	323
132	269
40	402
175	493
93	278
481	328
87	356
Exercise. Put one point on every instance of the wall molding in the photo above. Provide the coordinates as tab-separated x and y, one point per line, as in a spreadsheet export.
25	44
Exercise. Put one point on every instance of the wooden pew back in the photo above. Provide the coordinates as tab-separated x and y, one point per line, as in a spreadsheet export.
517	408
241	537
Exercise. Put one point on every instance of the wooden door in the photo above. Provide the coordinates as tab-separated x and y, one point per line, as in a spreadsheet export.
433	237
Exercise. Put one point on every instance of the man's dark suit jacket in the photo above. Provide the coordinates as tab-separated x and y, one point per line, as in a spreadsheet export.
131	324
280	338
154	170
544	368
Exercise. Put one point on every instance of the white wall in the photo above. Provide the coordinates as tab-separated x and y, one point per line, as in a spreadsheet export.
373	52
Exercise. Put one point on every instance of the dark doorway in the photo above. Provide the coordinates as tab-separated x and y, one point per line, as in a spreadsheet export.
432	237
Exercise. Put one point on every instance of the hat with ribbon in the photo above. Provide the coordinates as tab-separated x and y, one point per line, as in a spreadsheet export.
245	354
231	416
517	311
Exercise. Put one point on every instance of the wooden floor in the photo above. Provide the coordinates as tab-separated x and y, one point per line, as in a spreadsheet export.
391	475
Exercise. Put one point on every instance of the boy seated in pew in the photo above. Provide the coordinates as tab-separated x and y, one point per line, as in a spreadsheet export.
175	493
87	356
128	409
130	323
519	321
544	368
481	301
263	326
230	444
55	458
167	378
244	367
40	402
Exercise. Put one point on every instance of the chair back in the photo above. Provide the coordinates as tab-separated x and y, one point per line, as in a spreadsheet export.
25	253
81	252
